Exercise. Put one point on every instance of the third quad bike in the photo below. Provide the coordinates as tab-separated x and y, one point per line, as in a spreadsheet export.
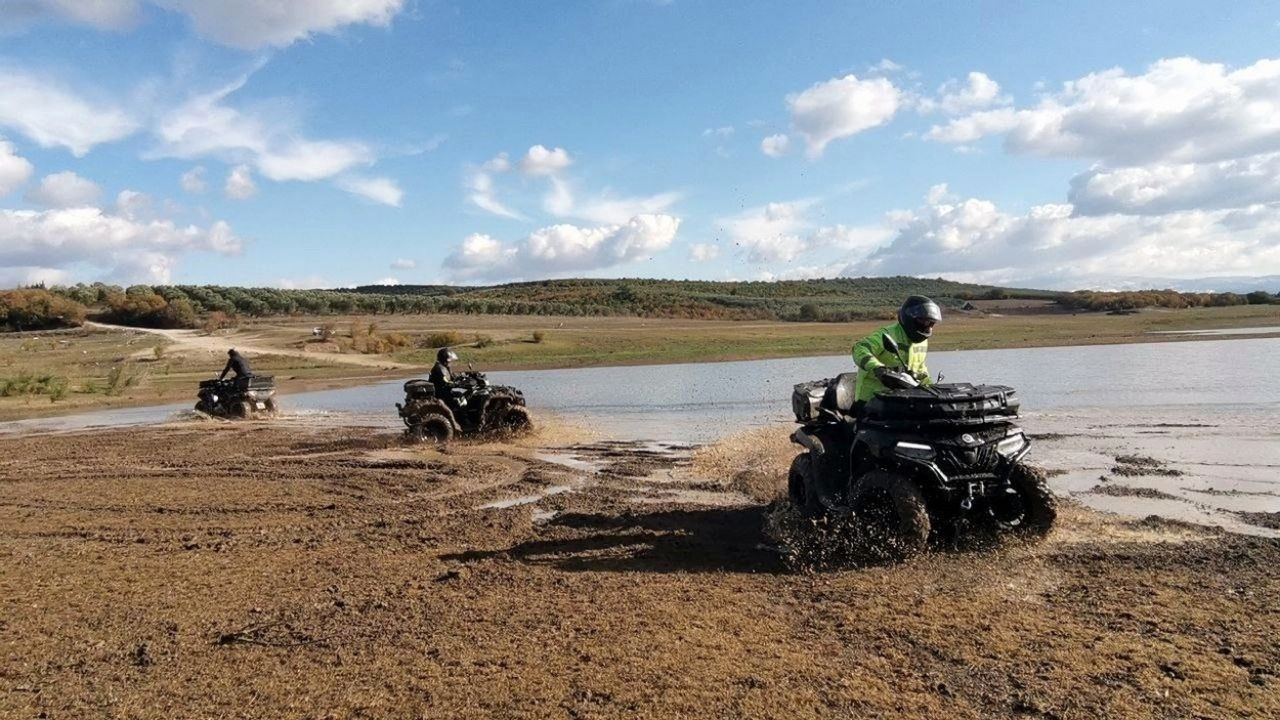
476	407
921	460
242	397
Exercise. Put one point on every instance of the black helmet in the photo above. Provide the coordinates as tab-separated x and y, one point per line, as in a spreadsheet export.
917	316
232	352
446	356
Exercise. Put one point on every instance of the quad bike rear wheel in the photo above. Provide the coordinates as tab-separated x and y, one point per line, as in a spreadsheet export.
892	512
433	428
272	409
1031	509
244	410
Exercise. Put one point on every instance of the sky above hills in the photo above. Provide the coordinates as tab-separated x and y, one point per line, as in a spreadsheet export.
305	143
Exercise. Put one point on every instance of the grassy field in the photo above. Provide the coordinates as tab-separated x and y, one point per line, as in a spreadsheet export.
99	369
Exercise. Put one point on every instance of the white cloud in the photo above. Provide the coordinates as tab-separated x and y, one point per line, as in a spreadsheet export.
193	180
1158	189
239	185
781	232
704	252
252	24
387	281
403	264
101	14
978	91
723	133
775	145
206	126
542	161
117	247
15	170
64	190
840	108
134	205
53	116
563	249
305	283
1051	246
1180	110
604	207
381	190
483	194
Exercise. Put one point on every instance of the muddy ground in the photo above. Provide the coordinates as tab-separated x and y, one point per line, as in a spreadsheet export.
215	570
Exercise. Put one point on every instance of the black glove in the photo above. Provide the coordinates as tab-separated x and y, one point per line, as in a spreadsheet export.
881	371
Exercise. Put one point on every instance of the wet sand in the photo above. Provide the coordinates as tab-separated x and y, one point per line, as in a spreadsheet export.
303	570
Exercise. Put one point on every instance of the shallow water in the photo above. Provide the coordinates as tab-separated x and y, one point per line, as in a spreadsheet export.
1269	330
701	402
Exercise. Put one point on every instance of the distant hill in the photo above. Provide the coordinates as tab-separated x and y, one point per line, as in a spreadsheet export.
833	300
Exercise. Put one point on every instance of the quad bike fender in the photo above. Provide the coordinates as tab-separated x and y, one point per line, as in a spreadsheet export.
494	409
417	409
808	441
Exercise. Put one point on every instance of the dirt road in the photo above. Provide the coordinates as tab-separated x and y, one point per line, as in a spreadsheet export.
247	343
246	571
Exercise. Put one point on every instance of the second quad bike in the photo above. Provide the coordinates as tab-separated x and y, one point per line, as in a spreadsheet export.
242	397
920	461
475	406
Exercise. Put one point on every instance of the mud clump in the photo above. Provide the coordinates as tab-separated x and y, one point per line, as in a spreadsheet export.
1139	466
1261	519
1130	491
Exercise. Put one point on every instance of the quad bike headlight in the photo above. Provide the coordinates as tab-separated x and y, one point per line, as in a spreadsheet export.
914	451
1012	445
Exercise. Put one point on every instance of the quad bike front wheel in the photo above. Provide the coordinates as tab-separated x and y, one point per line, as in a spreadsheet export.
1031	509
272	409
893	515
800	489
515	420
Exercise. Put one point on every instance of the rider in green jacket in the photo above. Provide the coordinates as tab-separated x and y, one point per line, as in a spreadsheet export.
916	319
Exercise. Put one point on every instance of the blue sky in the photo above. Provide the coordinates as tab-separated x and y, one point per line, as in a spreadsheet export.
339	142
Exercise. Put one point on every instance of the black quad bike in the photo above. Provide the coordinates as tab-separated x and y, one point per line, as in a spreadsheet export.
475	407
938	459
243	397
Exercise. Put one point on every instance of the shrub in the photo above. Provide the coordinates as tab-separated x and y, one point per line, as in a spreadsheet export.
440	339
217	320
122	377
1259	297
26	383
38	309
539	336
483	341
159	351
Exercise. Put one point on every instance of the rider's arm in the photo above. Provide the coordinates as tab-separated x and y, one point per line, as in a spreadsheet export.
225	370
864	352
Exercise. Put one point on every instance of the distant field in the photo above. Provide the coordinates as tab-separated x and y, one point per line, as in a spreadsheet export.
86	360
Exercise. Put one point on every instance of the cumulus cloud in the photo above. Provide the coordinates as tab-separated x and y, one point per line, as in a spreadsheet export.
403	264
101	14
1158	189
116	247
605	207
563	249
251	24
782	232
976	92
193	180
205	125
704	252
1052	246
52	116
383	191
239	184
542	161
1180	110
64	190
244	24
14	169
775	145
840	108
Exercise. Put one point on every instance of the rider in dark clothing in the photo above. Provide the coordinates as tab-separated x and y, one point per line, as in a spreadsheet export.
238	364
442	376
